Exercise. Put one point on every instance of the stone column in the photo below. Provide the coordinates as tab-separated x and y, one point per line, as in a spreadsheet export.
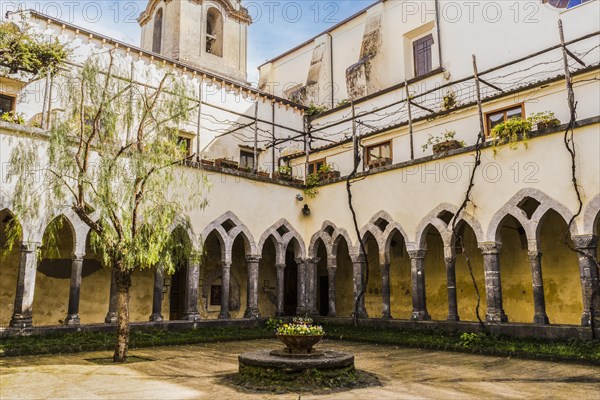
74	290
225	279
280	268
451	283
111	316
493	286
22	316
311	289
252	298
301	308
157	297
331	274
417	273
358	280
539	302
587	245
190	312
386	312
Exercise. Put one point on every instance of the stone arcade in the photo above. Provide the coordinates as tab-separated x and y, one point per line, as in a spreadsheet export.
263	256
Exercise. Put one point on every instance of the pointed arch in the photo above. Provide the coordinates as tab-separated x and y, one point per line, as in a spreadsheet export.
282	232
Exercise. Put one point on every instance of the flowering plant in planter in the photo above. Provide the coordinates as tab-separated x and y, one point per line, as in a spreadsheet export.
302	320
544	120
300	330
443	143
511	132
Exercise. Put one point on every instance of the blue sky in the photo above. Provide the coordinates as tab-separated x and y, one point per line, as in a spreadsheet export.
278	24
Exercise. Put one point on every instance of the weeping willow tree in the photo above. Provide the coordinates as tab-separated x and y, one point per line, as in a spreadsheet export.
115	159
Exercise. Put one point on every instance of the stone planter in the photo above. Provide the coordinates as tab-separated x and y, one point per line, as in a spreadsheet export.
548	124
207	162
224	163
299	344
263	174
329	175
283	177
444	147
380	162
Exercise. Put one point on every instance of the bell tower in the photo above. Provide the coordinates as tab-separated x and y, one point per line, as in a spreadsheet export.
208	34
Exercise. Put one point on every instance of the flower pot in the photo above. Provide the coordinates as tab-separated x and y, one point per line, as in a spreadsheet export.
299	344
263	174
283	177
444	147
207	162
224	163
380	162
547	124
329	175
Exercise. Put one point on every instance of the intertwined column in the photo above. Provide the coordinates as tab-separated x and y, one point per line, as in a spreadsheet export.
111	316
451	284
586	245
417	269
252	298
311	289
280	268
493	285
190	312
386	312
74	290
22	316
157	296
225	279
331	274
358	280
301	308
539	303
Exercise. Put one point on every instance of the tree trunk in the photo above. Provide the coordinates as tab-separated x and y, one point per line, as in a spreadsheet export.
123	283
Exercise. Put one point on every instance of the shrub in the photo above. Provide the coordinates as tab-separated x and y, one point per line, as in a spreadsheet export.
511	132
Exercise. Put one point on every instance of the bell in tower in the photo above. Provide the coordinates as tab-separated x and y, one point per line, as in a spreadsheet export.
208	34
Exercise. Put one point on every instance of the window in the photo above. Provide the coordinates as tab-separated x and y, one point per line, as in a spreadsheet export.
422	55
187	144
157	33
246	160
214	32
379	152
315	166
215	295
497	117
7	103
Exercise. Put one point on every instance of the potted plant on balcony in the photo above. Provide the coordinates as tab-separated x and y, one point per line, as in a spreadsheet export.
300	337
544	120
263	173
511	132
379	162
443	143
284	173
326	172
226	163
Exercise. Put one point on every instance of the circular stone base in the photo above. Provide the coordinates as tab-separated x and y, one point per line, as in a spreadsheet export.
267	370
286	353
265	359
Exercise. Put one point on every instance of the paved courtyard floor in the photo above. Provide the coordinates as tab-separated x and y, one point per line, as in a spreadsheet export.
194	372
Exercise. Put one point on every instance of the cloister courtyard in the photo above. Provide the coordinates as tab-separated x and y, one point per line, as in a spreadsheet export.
201	371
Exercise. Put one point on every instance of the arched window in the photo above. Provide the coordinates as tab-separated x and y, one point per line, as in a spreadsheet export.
214	32
157	33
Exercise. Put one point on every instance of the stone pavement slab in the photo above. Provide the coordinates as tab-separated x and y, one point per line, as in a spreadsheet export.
195	372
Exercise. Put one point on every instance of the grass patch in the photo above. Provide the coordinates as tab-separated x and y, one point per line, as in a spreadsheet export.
572	350
93	341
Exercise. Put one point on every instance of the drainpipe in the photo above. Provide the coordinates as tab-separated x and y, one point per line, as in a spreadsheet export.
273	135
331	69
437	24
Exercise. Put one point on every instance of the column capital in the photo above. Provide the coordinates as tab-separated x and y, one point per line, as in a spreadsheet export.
29	247
279	266
583	242
417	254
358	258
226	264
314	260
449	260
490	247
534	255
253	259
300	260
78	257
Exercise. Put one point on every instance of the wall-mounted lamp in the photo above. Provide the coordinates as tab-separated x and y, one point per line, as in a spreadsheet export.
306	210
299	197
